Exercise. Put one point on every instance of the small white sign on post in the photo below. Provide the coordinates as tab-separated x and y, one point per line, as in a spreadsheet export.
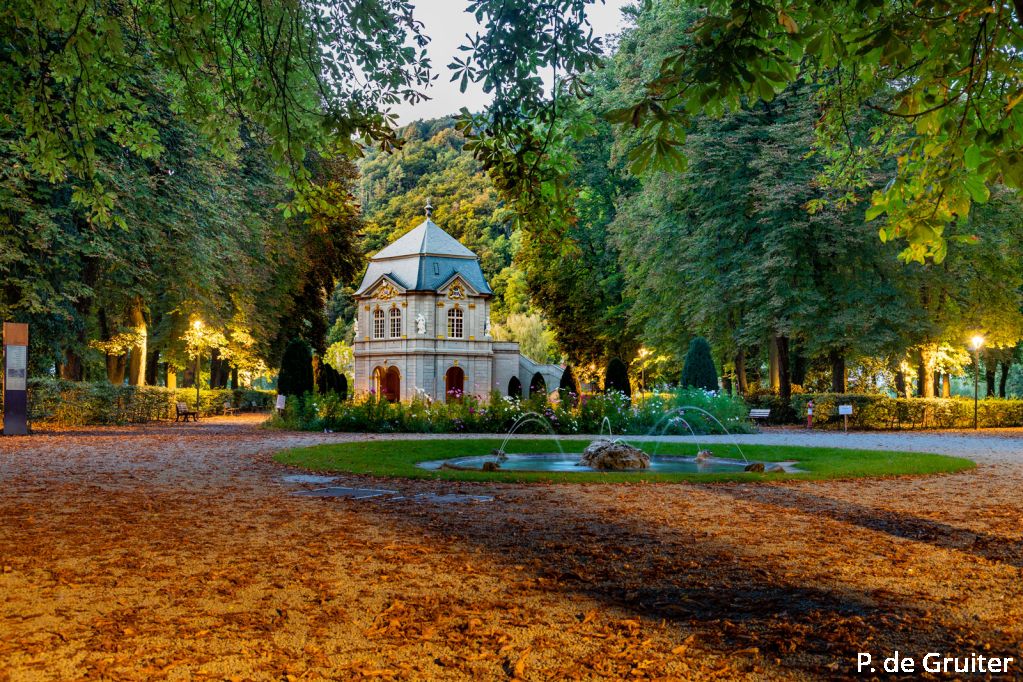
280	401
845	411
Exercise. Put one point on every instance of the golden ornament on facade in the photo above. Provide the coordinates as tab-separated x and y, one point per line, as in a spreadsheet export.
456	291
386	292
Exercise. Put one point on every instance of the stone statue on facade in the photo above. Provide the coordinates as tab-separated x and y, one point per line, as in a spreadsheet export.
420	324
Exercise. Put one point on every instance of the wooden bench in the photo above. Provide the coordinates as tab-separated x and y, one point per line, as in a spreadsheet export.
182	410
759	413
228	410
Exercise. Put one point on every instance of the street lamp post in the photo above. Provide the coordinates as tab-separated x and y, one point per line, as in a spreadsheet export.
197	325
976	342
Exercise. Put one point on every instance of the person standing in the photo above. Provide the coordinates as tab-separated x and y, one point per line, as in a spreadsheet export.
809	414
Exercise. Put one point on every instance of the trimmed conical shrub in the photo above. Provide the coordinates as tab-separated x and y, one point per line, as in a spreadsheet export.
296	377
568	388
698	370
616	377
568	382
331	381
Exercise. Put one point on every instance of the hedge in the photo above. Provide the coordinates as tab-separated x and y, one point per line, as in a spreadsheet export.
82	403
872	412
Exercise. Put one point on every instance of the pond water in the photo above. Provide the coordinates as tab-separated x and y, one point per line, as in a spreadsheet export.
569	463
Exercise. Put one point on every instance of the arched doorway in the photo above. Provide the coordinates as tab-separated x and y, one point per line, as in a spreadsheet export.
392	384
454	383
515	388
537	385
387	383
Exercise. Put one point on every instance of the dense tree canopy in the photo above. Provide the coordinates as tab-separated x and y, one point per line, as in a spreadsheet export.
944	75
175	190
146	161
750	221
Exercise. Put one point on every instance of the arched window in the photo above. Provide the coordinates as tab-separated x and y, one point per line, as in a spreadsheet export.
455	327
378	324
395	323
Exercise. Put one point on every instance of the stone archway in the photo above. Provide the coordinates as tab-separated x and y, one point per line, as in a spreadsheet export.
515	388
387	383
392	384
537	385
454	384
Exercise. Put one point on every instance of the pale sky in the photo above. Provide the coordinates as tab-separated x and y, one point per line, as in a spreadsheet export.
446	23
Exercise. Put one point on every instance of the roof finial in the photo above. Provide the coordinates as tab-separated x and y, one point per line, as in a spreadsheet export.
429	208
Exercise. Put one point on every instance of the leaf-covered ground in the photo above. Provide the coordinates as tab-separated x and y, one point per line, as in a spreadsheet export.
177	552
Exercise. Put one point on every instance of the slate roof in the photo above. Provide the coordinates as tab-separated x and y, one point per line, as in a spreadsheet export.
423	259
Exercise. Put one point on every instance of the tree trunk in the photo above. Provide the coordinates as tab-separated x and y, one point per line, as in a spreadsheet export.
234	378
153	369
797	365
137	361
116	367
218	370
172	378
1004	378
989	376
946	385
839	377
772	362
925	381
740	371
784	373
900	378
114	363
936	377
726	384
71	367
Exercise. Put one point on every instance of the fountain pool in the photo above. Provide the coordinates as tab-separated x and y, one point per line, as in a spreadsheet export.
661	464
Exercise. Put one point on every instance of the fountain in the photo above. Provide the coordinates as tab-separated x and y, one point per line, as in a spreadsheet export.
613	455
679	411
606	453
529	418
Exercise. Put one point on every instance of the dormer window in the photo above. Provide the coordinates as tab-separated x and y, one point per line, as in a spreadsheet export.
455	323
378	324
436	268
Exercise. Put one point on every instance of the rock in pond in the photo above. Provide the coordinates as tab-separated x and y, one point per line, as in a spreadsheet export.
776	469
755	467
614	455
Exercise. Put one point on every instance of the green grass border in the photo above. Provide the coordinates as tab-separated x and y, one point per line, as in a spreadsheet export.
398	458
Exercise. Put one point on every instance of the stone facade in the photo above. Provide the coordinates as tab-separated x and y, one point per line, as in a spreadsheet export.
424	325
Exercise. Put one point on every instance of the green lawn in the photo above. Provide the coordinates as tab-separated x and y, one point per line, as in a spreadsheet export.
399	457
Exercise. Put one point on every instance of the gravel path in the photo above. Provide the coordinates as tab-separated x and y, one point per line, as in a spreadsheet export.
179	552
1001	446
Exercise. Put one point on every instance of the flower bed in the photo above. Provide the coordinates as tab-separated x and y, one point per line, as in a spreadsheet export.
651	413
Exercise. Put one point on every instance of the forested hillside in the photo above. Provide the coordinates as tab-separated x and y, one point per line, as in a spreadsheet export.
434	165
